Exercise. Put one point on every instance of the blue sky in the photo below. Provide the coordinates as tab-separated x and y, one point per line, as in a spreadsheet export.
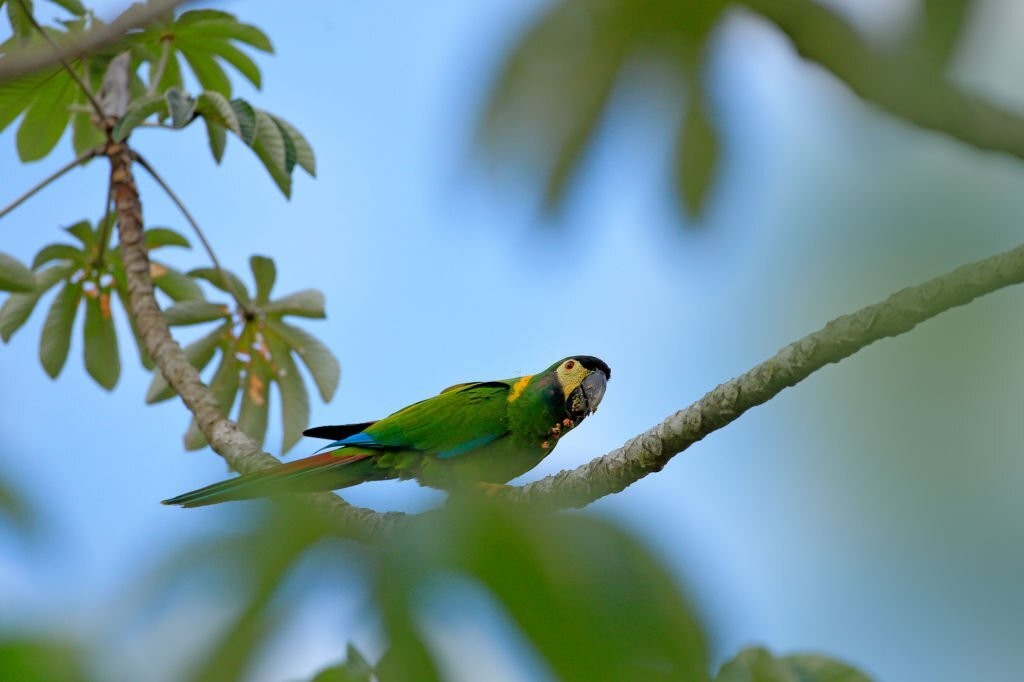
867	513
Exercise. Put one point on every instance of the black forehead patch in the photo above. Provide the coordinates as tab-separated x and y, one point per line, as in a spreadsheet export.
592	363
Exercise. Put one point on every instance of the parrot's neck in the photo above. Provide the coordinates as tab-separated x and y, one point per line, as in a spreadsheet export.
537	415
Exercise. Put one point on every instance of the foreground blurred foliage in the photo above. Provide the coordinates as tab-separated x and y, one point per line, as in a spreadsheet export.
590	601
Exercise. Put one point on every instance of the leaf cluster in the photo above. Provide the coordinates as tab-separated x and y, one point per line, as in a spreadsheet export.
256	344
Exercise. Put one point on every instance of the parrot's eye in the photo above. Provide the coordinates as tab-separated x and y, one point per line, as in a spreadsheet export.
570	364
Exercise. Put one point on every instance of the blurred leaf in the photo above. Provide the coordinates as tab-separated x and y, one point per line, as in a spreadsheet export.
549	101
213	276
218	139
177	285
53	252
199	354
696	156
252	417
264	273
936	34
37	660
303	151
102	360
163	236
14	276
195	312
17	308
294	397
590	598
46	119
318	358
18	17
84	133
305	303
270	148
180	106
14	507
138	111
84	232
246	117
56	338
73	6
758	665
216	108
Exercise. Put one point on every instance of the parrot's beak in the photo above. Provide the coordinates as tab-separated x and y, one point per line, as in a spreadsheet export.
587	395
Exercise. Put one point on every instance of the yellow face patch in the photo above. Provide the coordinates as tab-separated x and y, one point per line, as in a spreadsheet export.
517	388
570	374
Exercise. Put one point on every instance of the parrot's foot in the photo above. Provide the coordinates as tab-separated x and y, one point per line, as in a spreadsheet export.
491	489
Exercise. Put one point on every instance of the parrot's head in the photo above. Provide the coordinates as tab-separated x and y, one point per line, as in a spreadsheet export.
583	379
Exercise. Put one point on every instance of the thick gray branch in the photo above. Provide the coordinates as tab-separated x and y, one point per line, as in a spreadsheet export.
240	452
840	338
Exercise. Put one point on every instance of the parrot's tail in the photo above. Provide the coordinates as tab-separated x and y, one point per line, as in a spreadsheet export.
327	471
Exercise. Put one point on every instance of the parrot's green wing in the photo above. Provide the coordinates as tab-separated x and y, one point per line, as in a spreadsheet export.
458	420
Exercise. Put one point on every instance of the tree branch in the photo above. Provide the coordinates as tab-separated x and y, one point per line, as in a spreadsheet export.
228	283
82	158
895	82
240	452
838	339
30	60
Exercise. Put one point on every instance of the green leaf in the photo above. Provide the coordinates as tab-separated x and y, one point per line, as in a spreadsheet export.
17	308
227	26
305	303
73	6
264	272
303	151
177	285
270	148
84	133
756	664
195	312
213	276
14	276
218	139
102	360
697	156
317	357
163	236
138	111
46	119
214	107
199	354
252	417
354	669
294	397
246	116
208	72
56	338
54	252
181	107
84	232
238	59
16	14
41	660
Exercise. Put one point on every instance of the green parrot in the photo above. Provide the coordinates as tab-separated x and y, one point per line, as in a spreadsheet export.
485	432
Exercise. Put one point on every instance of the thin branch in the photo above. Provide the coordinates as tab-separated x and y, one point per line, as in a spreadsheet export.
107	223
893	81
137	16
224	436
58	53
81	159
228	283
840	338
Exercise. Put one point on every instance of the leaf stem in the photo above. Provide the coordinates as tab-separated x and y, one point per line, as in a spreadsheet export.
228	282
64	62
107	222
82	158
158	74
